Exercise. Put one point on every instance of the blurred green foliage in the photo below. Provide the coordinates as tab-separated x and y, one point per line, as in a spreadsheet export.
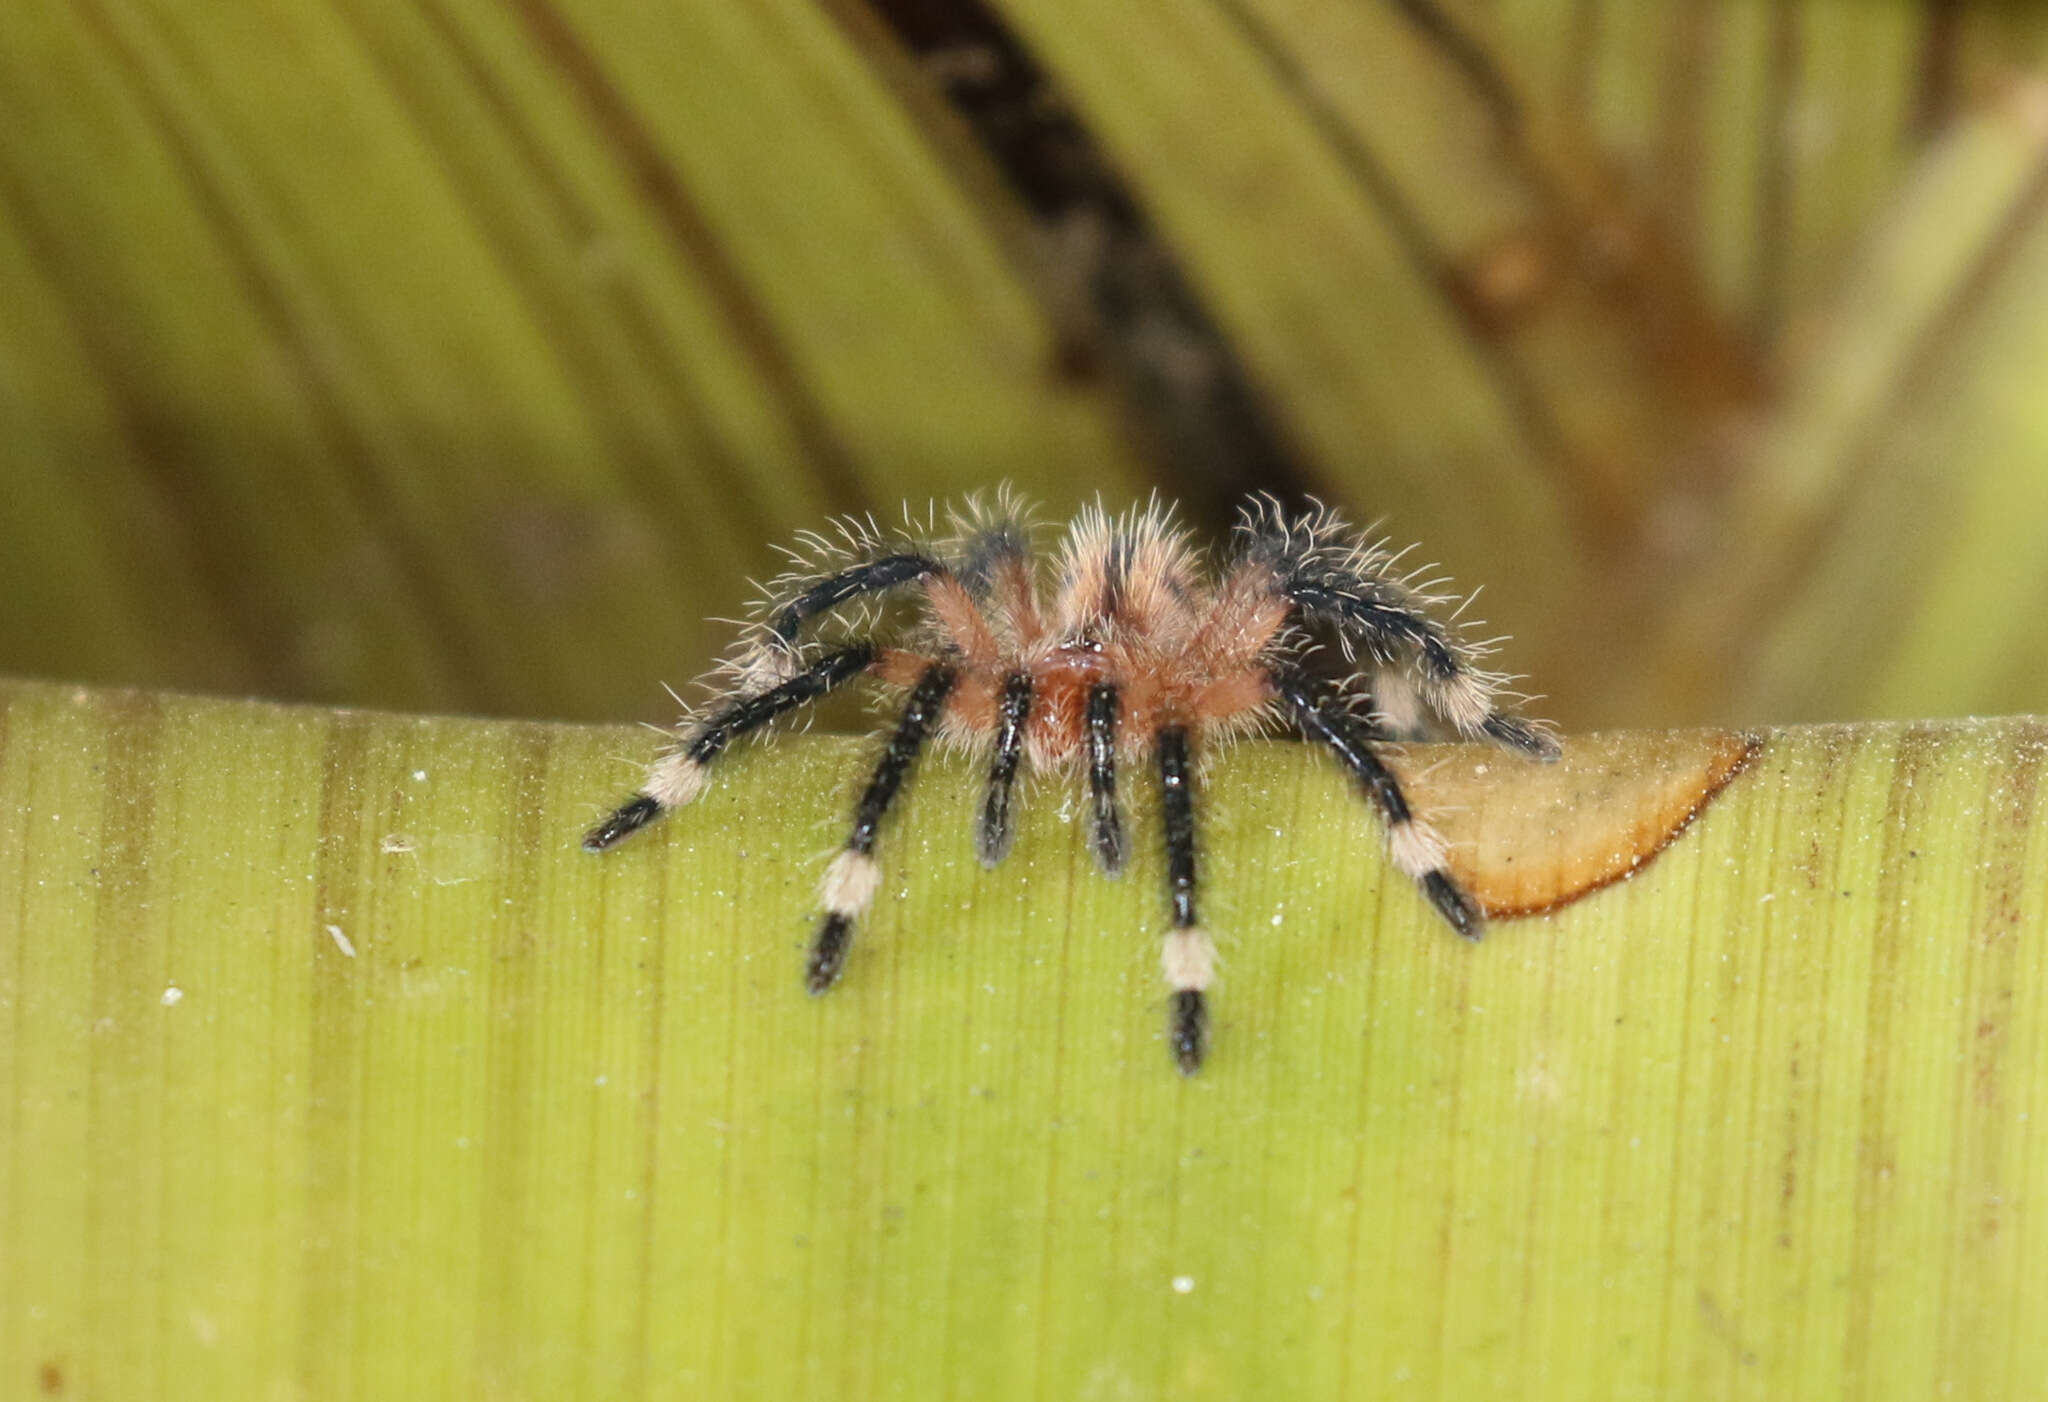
459	355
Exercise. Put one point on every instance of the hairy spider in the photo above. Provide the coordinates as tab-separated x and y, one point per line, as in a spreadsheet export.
1138	653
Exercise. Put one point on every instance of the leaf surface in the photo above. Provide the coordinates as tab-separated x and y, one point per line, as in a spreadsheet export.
328	1064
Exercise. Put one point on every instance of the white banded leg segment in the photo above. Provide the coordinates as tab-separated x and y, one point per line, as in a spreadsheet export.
673	781
850	884
676	780
767	666
1462	698
1188	959
1416	847
851	881
1418	852
1397	706
1465	699
846	893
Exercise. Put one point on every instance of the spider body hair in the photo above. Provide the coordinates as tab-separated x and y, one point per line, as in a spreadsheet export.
1139	654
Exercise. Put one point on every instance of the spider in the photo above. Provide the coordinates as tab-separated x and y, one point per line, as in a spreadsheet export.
1137	654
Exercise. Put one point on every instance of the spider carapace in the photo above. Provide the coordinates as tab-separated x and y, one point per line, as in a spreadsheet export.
1140	652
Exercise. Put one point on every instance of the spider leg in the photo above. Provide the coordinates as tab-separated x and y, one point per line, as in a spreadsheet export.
1414	845
1514	733
1331	576
1362	609
992	831
1188	956
1398	715
828	592
1106	831
1397	709
678	777
1365	611
852	879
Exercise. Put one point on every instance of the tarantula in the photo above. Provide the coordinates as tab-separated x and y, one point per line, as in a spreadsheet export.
1137	653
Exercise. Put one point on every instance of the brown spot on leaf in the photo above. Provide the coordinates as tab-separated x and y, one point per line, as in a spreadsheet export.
50	1378
1527	838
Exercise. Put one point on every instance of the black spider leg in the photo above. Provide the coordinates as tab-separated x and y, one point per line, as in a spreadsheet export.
851	881
1189	958
679	777
684	769
1313	568
1360	610
1387	630
1322	716
993	832
1106	830
830	591
1517	734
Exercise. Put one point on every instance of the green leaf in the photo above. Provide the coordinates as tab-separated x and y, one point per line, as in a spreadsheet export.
328	1064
